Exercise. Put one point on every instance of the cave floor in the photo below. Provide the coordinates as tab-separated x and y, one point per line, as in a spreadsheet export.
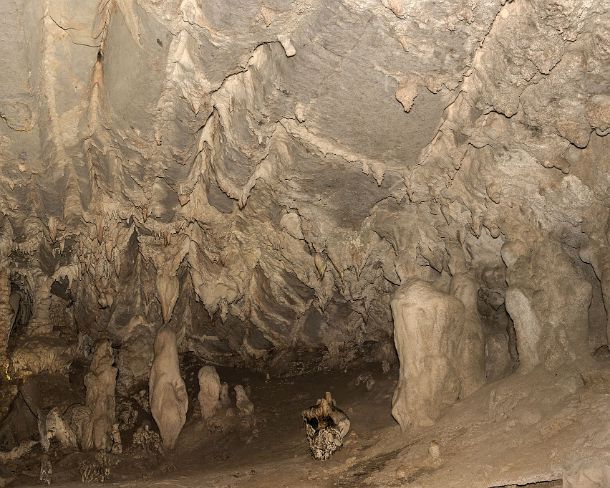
519	430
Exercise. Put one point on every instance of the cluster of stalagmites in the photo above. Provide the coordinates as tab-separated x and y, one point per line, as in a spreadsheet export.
214	395
94	426
439	338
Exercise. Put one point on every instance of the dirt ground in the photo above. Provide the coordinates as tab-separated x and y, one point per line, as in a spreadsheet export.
521	430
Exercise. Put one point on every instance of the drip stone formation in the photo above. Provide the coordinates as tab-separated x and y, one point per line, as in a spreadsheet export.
297	243
167	391
209	391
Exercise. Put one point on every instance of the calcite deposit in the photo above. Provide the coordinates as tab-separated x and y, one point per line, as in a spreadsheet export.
242	402
433	342
167	391
100	400
209	391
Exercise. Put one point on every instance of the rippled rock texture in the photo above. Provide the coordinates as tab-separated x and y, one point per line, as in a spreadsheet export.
263	175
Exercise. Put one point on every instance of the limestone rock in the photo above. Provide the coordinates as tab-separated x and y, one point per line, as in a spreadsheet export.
96	470
46	470
58	428
209	391
146	442
406	95
242	402
428	330
127	414
6	313
325	427
225	399
291	172
167	391
497	357
548	300
101	384
21	450
41	354
263	177
135	356
599	258
591	472
471	349
117	444
286	43
292	225
77	418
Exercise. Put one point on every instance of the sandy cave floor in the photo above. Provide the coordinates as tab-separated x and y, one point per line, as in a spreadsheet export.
519	430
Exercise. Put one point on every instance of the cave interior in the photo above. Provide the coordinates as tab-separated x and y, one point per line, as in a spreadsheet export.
305	243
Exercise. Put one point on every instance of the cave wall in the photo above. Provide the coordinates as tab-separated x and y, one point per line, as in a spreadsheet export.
264	175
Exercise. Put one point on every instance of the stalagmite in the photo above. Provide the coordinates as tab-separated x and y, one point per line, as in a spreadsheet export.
100	383
242	402
548	300
325	427
471	349
428	330
225	399
209	391
167	391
